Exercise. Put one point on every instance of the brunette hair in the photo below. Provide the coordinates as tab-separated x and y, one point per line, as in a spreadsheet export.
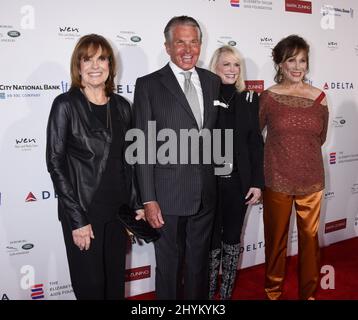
287	48
87	47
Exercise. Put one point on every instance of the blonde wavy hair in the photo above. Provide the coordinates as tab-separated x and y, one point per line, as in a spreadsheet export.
240	83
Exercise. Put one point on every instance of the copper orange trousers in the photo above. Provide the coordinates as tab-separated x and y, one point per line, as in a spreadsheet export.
277	213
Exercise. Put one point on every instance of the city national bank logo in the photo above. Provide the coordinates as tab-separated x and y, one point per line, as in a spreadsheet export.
45	195
335	225
138	273
25	90
128	38
338	86
68	32
25	144
37	292
235	3
255	85
298	6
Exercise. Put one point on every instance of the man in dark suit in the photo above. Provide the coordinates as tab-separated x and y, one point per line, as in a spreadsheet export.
179	198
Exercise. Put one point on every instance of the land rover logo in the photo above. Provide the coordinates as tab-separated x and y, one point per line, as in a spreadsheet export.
13	33
232	43
27	246
136	39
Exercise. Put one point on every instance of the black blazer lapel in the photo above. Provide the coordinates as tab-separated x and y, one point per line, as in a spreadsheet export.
169	80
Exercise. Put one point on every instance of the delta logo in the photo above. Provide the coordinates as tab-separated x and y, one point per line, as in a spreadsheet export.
298	6
255	85
44	196
138	273
235	3
30	198
37	292
333	158
338	86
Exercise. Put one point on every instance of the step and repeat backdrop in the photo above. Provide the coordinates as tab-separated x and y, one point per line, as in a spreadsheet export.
36	41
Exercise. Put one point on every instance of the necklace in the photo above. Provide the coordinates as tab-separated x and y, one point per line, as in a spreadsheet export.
108	112
227	103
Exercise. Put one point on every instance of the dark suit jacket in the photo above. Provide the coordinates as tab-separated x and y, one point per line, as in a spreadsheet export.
248	141
178	188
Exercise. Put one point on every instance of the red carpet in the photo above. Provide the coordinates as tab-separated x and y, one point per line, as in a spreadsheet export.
342	256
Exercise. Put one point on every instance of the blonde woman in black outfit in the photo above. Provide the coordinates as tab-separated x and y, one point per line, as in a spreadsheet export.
238	111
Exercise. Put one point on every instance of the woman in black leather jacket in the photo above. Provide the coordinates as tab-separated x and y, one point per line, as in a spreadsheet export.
85	157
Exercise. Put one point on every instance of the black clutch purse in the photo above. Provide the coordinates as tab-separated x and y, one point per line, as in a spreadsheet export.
136	228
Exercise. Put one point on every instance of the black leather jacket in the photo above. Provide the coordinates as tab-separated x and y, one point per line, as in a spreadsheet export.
76	153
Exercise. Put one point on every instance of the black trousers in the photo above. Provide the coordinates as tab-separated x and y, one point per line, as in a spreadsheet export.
98	273
230	212
182	254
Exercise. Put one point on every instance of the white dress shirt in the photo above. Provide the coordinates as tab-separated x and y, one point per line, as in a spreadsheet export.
196	81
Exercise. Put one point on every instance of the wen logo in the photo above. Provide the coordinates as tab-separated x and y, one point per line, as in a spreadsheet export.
69	29
25	140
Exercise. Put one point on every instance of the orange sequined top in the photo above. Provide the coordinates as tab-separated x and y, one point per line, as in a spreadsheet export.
296	130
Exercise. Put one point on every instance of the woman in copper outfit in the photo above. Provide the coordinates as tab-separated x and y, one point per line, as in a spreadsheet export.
295	115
